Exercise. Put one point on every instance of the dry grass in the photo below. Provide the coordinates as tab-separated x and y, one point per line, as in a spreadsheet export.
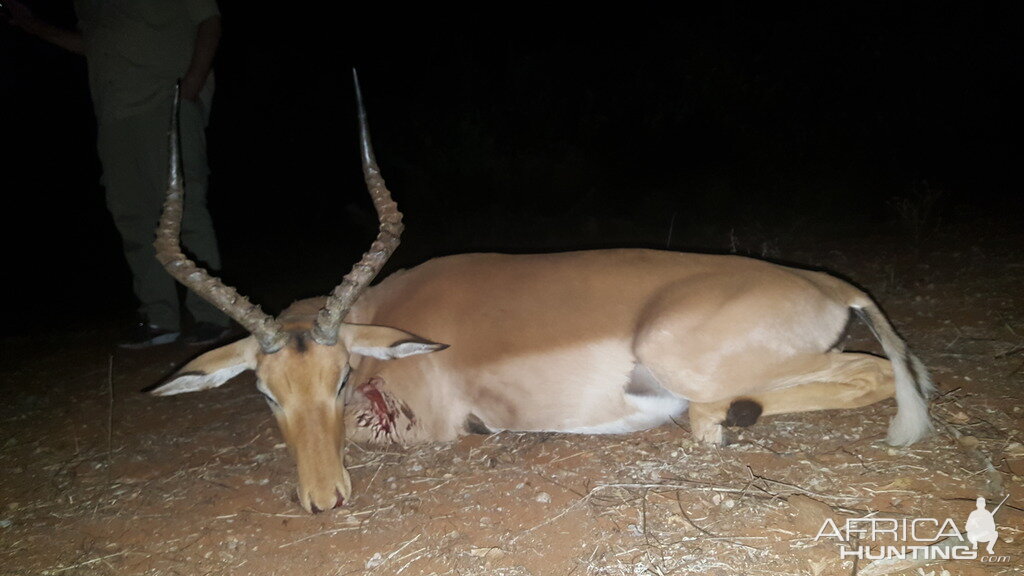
100	480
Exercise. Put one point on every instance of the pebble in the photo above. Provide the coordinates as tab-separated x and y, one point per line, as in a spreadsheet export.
376	560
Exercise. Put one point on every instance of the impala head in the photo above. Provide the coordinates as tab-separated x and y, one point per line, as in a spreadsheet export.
301	359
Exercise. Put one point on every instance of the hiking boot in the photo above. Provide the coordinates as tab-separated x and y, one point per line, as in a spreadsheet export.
146	335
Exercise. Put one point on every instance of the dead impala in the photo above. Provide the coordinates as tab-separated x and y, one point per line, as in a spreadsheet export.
595	342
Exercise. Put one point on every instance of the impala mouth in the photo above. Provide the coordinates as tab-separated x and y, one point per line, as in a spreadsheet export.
338	503
312	506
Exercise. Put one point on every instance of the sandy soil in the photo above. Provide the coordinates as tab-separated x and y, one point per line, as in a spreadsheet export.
100	479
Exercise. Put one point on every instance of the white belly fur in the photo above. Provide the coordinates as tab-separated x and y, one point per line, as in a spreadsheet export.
650	412
596	388
652	405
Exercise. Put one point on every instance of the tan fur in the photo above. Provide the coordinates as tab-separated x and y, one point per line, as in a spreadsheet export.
547	342
600	341
305	386
588	342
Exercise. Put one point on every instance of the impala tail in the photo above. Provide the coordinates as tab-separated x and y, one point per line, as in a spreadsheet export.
913	385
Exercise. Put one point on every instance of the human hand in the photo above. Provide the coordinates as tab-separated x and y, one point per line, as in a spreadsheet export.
17	14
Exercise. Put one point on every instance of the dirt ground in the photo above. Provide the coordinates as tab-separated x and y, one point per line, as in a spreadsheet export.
99	479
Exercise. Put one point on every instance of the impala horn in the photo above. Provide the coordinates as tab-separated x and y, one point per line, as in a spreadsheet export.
265	328
325	331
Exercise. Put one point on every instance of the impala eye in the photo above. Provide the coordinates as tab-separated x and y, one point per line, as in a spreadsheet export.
267	395
344	380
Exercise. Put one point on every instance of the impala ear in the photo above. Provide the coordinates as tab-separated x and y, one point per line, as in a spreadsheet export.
211	369
383	342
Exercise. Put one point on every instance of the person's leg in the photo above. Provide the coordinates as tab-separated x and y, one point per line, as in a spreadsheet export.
134	201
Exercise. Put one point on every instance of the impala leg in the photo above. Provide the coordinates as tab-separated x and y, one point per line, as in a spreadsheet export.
852	380
706	421
860	380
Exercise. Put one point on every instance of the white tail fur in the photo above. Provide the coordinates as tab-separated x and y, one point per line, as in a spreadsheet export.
913	385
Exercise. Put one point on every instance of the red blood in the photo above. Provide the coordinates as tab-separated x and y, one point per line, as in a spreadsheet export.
379	405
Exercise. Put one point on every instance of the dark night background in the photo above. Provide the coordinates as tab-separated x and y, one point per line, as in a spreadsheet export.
527	131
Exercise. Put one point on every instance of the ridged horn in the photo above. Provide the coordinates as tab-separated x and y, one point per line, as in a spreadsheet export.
344	295
265	328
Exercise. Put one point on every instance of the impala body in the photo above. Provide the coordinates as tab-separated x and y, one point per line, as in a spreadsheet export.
603	341
607	341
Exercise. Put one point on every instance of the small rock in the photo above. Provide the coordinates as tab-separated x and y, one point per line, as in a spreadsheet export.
376	560
808	514
968	442
543	498
490	553
960	417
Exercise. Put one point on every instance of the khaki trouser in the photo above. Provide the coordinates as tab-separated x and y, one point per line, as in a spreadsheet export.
133	152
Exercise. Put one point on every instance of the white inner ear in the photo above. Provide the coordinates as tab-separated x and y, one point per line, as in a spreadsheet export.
397	351
195	382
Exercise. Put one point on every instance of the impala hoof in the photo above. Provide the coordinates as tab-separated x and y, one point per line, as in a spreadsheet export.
743	413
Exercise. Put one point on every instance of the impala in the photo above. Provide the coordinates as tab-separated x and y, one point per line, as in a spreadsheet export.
592	342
